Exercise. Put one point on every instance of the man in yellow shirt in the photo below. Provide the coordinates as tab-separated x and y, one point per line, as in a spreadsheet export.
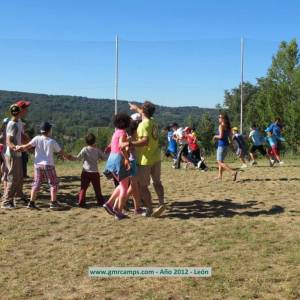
148	157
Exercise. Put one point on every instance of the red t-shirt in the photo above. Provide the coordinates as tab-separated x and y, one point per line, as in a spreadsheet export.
192	141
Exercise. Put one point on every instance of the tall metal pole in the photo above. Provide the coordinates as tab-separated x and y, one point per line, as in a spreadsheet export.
117	75
242	82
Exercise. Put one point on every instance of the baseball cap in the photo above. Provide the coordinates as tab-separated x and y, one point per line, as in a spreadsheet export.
23	104
235	128
45	127
136	117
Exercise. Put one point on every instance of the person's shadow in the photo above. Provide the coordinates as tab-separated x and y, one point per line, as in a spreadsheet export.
217	208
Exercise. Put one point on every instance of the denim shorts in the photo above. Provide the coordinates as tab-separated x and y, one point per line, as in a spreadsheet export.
133	168
221	153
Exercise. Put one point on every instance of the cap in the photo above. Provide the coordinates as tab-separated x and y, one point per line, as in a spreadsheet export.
23	104
235	128
45	127
5	120
136	117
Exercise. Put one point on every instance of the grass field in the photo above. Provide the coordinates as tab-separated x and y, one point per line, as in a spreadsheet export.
248	232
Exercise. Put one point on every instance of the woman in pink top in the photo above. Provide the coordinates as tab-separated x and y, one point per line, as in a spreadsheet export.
118	165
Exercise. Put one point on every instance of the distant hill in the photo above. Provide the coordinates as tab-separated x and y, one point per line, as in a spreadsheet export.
85	112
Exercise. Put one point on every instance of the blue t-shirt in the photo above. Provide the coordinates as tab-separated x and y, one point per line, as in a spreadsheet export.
256	137
172	145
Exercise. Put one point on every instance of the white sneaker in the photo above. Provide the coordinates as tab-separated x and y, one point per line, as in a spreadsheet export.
243	166
281	163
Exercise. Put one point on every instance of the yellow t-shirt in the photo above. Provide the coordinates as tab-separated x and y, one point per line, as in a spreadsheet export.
150	154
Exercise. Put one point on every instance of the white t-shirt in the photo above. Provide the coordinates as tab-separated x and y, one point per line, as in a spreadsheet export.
180	135
14	130
44	149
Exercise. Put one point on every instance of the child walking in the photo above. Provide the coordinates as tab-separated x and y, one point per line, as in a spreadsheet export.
44	168
90	155
118	164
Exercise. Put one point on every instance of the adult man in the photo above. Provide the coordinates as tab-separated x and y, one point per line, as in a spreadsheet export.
14	135
148	157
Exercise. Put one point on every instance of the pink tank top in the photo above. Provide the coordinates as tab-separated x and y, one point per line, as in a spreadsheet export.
115	140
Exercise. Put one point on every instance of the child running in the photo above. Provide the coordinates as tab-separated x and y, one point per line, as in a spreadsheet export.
257	141
239	146
90	155
118	164
44	168
272	143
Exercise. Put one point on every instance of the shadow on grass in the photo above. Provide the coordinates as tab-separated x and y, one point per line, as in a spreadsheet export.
269	179
217	208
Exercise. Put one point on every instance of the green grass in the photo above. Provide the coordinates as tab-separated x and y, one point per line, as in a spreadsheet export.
247	231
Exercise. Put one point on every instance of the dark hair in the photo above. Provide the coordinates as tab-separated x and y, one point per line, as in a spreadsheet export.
148	109
226	121
167	128
14	110
253	125
174	124
121	120
278	119
133	127
90	139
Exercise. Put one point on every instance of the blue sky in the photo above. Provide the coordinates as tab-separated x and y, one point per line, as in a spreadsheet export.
174	53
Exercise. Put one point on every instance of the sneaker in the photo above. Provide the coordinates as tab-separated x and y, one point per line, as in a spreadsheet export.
8	206
120	216
253	162
158	211
109	209
243	166
272	162
199	164
31	205
56	205
281	163
143	211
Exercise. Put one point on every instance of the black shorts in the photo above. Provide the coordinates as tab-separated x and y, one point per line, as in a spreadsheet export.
260	148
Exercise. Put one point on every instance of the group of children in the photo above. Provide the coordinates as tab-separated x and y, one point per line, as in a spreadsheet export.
268	146
121	165
183	145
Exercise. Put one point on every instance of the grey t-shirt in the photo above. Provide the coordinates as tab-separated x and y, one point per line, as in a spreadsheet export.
14	130
90	156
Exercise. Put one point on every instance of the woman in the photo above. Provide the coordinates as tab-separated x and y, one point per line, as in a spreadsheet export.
223	137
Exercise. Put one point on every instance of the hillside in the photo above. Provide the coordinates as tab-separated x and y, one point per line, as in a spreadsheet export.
74	115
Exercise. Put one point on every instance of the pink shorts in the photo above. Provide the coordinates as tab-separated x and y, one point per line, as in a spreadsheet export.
44	173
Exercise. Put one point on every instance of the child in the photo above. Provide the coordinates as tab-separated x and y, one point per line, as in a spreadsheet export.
257	141
194	154
171	150
90	155
239	146
118	164
272	142
44	168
